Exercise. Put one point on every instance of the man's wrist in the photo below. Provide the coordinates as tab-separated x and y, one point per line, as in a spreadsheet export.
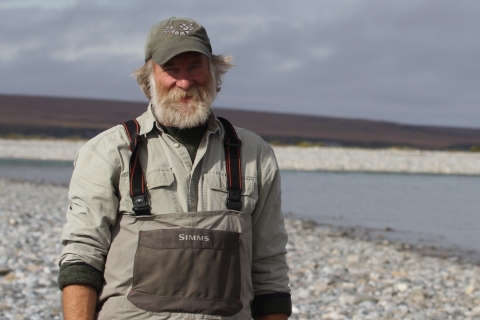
79	302
273	304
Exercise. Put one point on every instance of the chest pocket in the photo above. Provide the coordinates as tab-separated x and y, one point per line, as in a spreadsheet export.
215	192
161	187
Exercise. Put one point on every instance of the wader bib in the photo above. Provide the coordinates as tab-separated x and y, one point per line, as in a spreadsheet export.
189	265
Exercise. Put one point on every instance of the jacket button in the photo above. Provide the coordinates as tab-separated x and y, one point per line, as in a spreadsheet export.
176	145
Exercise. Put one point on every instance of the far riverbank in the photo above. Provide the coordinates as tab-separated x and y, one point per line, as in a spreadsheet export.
294	158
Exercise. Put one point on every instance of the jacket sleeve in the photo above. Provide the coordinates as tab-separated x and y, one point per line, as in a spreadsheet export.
269	266
93	204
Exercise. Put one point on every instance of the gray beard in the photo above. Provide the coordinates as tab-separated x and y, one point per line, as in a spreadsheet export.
170	111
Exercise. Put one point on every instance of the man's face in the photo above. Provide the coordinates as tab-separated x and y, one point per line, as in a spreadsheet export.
183	71
183	90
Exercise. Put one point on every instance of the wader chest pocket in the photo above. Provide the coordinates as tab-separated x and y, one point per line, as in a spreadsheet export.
187	270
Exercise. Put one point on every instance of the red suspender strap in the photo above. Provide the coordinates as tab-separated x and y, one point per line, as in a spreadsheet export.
137	179
233	164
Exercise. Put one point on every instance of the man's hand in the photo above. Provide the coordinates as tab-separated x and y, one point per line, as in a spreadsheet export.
280	316
79	302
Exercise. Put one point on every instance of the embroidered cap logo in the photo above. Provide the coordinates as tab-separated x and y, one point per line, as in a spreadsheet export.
174	36
186	28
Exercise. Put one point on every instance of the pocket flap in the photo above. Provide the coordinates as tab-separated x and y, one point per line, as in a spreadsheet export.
159	178
218	181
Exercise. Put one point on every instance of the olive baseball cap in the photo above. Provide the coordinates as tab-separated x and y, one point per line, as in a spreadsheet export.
174	36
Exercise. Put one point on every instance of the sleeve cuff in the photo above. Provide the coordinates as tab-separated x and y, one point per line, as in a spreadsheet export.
272	303
80	273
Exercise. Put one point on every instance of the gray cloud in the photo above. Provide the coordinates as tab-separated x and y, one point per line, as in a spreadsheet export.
411	61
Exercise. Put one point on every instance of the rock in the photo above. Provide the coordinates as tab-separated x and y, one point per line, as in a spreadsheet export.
417	295
333	316
418	316
295	310
290	247
4	271
399	274
470	289
353	259
362	298
9	277
4	307
319	288
402	287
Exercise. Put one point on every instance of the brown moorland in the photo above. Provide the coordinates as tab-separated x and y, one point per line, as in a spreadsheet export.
30	116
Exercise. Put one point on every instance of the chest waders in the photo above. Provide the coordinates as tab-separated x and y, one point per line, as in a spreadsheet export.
187	265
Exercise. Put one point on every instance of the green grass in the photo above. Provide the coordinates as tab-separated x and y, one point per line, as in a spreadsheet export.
307	144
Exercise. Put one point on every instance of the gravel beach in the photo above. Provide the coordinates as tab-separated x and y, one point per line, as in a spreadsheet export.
334	275
295	158
378	160
39	149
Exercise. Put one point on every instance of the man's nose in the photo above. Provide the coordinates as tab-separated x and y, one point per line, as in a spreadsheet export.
184	81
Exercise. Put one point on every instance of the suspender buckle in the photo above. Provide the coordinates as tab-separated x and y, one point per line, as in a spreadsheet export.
140	205
234	201
234	195
234	205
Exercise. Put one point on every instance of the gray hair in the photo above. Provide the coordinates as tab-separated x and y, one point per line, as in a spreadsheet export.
219	65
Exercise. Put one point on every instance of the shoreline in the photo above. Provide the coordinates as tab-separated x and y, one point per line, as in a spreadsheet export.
374	235
382	237
390	234
295	158
334	274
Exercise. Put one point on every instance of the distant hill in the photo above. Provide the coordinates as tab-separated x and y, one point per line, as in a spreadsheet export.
84	118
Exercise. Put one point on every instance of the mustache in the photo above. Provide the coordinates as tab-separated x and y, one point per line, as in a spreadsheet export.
197	92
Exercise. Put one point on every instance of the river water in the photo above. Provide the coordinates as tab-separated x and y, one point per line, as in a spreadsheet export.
427	210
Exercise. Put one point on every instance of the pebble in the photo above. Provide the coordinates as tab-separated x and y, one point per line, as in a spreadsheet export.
334	275
4	271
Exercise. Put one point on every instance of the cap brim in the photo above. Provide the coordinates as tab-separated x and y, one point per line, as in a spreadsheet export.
168	51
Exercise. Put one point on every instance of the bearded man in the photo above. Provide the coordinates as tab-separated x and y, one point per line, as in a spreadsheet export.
176	214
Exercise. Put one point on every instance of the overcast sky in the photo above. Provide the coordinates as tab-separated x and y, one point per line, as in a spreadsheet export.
407	61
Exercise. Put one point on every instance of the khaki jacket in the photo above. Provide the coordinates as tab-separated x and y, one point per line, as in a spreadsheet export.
99	194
